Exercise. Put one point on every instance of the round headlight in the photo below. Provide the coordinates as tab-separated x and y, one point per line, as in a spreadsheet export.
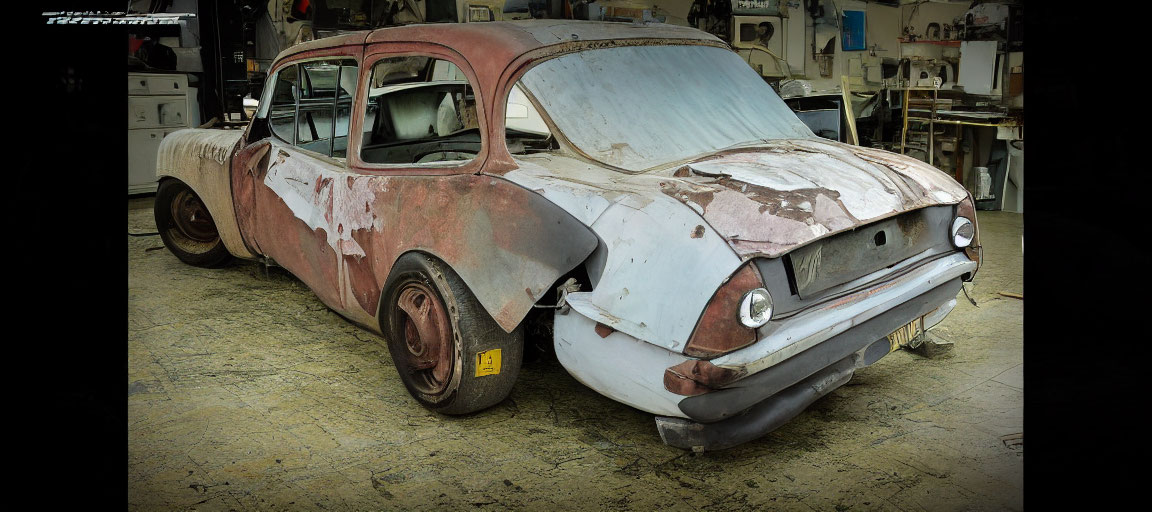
756	308
962	232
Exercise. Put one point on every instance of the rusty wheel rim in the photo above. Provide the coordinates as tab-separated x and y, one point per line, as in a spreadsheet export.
191	218
427	350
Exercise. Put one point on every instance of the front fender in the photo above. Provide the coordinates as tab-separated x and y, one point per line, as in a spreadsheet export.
200	158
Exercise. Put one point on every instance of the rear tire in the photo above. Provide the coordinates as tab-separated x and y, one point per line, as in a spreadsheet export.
444	344
186	226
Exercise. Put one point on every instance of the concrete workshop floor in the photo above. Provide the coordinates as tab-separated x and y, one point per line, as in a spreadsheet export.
246	393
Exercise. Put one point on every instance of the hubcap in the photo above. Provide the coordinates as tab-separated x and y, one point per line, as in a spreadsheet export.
427	337
192	218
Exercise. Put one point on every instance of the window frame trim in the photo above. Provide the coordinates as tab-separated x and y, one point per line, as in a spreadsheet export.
346	52
373	54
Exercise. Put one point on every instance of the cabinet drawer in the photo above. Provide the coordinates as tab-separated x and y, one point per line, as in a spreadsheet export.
137	84
157	112
148	84
168	84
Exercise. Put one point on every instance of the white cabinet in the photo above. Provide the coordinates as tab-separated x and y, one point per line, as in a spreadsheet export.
158	104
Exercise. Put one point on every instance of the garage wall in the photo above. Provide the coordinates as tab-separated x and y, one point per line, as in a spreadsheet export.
918	16
883	27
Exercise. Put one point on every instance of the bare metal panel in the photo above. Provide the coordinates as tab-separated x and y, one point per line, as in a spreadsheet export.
849	255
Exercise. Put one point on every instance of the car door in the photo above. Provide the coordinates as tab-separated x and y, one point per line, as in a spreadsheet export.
290	210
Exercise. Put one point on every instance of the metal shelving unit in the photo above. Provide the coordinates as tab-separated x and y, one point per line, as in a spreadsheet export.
919	97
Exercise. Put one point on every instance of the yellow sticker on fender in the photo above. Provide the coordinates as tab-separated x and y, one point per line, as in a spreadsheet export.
488	362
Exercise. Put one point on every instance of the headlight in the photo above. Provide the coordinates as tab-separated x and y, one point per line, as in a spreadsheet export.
756	308
962	232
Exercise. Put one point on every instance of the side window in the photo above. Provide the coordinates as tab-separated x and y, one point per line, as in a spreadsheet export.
524	129
420	110
345	93
311	105
282	115
314	119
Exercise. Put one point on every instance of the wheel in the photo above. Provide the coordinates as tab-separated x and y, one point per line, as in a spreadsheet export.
186	226
450	354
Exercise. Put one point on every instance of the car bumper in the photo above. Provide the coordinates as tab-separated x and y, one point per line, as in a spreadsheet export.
760	403
805	357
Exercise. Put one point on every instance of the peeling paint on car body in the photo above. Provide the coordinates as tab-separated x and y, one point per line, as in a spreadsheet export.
657	244
769	199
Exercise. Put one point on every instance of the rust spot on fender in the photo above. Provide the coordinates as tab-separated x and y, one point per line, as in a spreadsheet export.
603	330
696	377
701	198
698	232
719	330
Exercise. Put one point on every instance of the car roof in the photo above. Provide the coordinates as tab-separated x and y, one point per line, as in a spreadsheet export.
496	41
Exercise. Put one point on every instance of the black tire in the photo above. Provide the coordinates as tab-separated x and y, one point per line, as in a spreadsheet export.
460	330
186	226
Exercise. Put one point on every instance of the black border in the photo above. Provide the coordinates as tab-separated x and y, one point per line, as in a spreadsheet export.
66	251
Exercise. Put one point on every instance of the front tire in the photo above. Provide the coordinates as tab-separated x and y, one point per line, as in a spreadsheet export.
186	226
451	355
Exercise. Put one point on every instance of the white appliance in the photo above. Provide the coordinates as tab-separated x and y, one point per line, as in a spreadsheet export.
746	41
157	105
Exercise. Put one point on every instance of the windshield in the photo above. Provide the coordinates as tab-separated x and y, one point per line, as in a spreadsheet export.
639	107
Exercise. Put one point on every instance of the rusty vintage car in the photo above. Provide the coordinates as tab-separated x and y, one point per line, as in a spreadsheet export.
700	254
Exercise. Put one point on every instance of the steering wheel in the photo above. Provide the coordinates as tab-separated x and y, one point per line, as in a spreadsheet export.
443	156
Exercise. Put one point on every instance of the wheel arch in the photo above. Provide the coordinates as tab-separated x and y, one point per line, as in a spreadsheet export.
507	285
201	159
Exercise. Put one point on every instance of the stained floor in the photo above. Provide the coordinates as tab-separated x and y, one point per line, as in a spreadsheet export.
246	393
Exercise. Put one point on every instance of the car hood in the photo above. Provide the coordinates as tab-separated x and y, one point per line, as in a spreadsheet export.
767	200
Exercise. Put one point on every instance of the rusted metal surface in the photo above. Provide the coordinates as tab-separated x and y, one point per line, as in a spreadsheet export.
200	158
719	329
783	194
192	218
834	317
644	234
339	231
427	337
695	377
351	39
841	258
658	245
304	217
623	297
628	370
603	330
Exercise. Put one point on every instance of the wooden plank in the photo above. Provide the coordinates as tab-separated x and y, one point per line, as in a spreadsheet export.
848	114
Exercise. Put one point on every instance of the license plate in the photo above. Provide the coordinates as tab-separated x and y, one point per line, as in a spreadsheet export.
903	336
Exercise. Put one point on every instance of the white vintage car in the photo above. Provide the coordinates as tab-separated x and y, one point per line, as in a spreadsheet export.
700	254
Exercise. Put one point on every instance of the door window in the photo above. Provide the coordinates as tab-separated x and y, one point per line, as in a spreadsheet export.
282	114
422	111
311	105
